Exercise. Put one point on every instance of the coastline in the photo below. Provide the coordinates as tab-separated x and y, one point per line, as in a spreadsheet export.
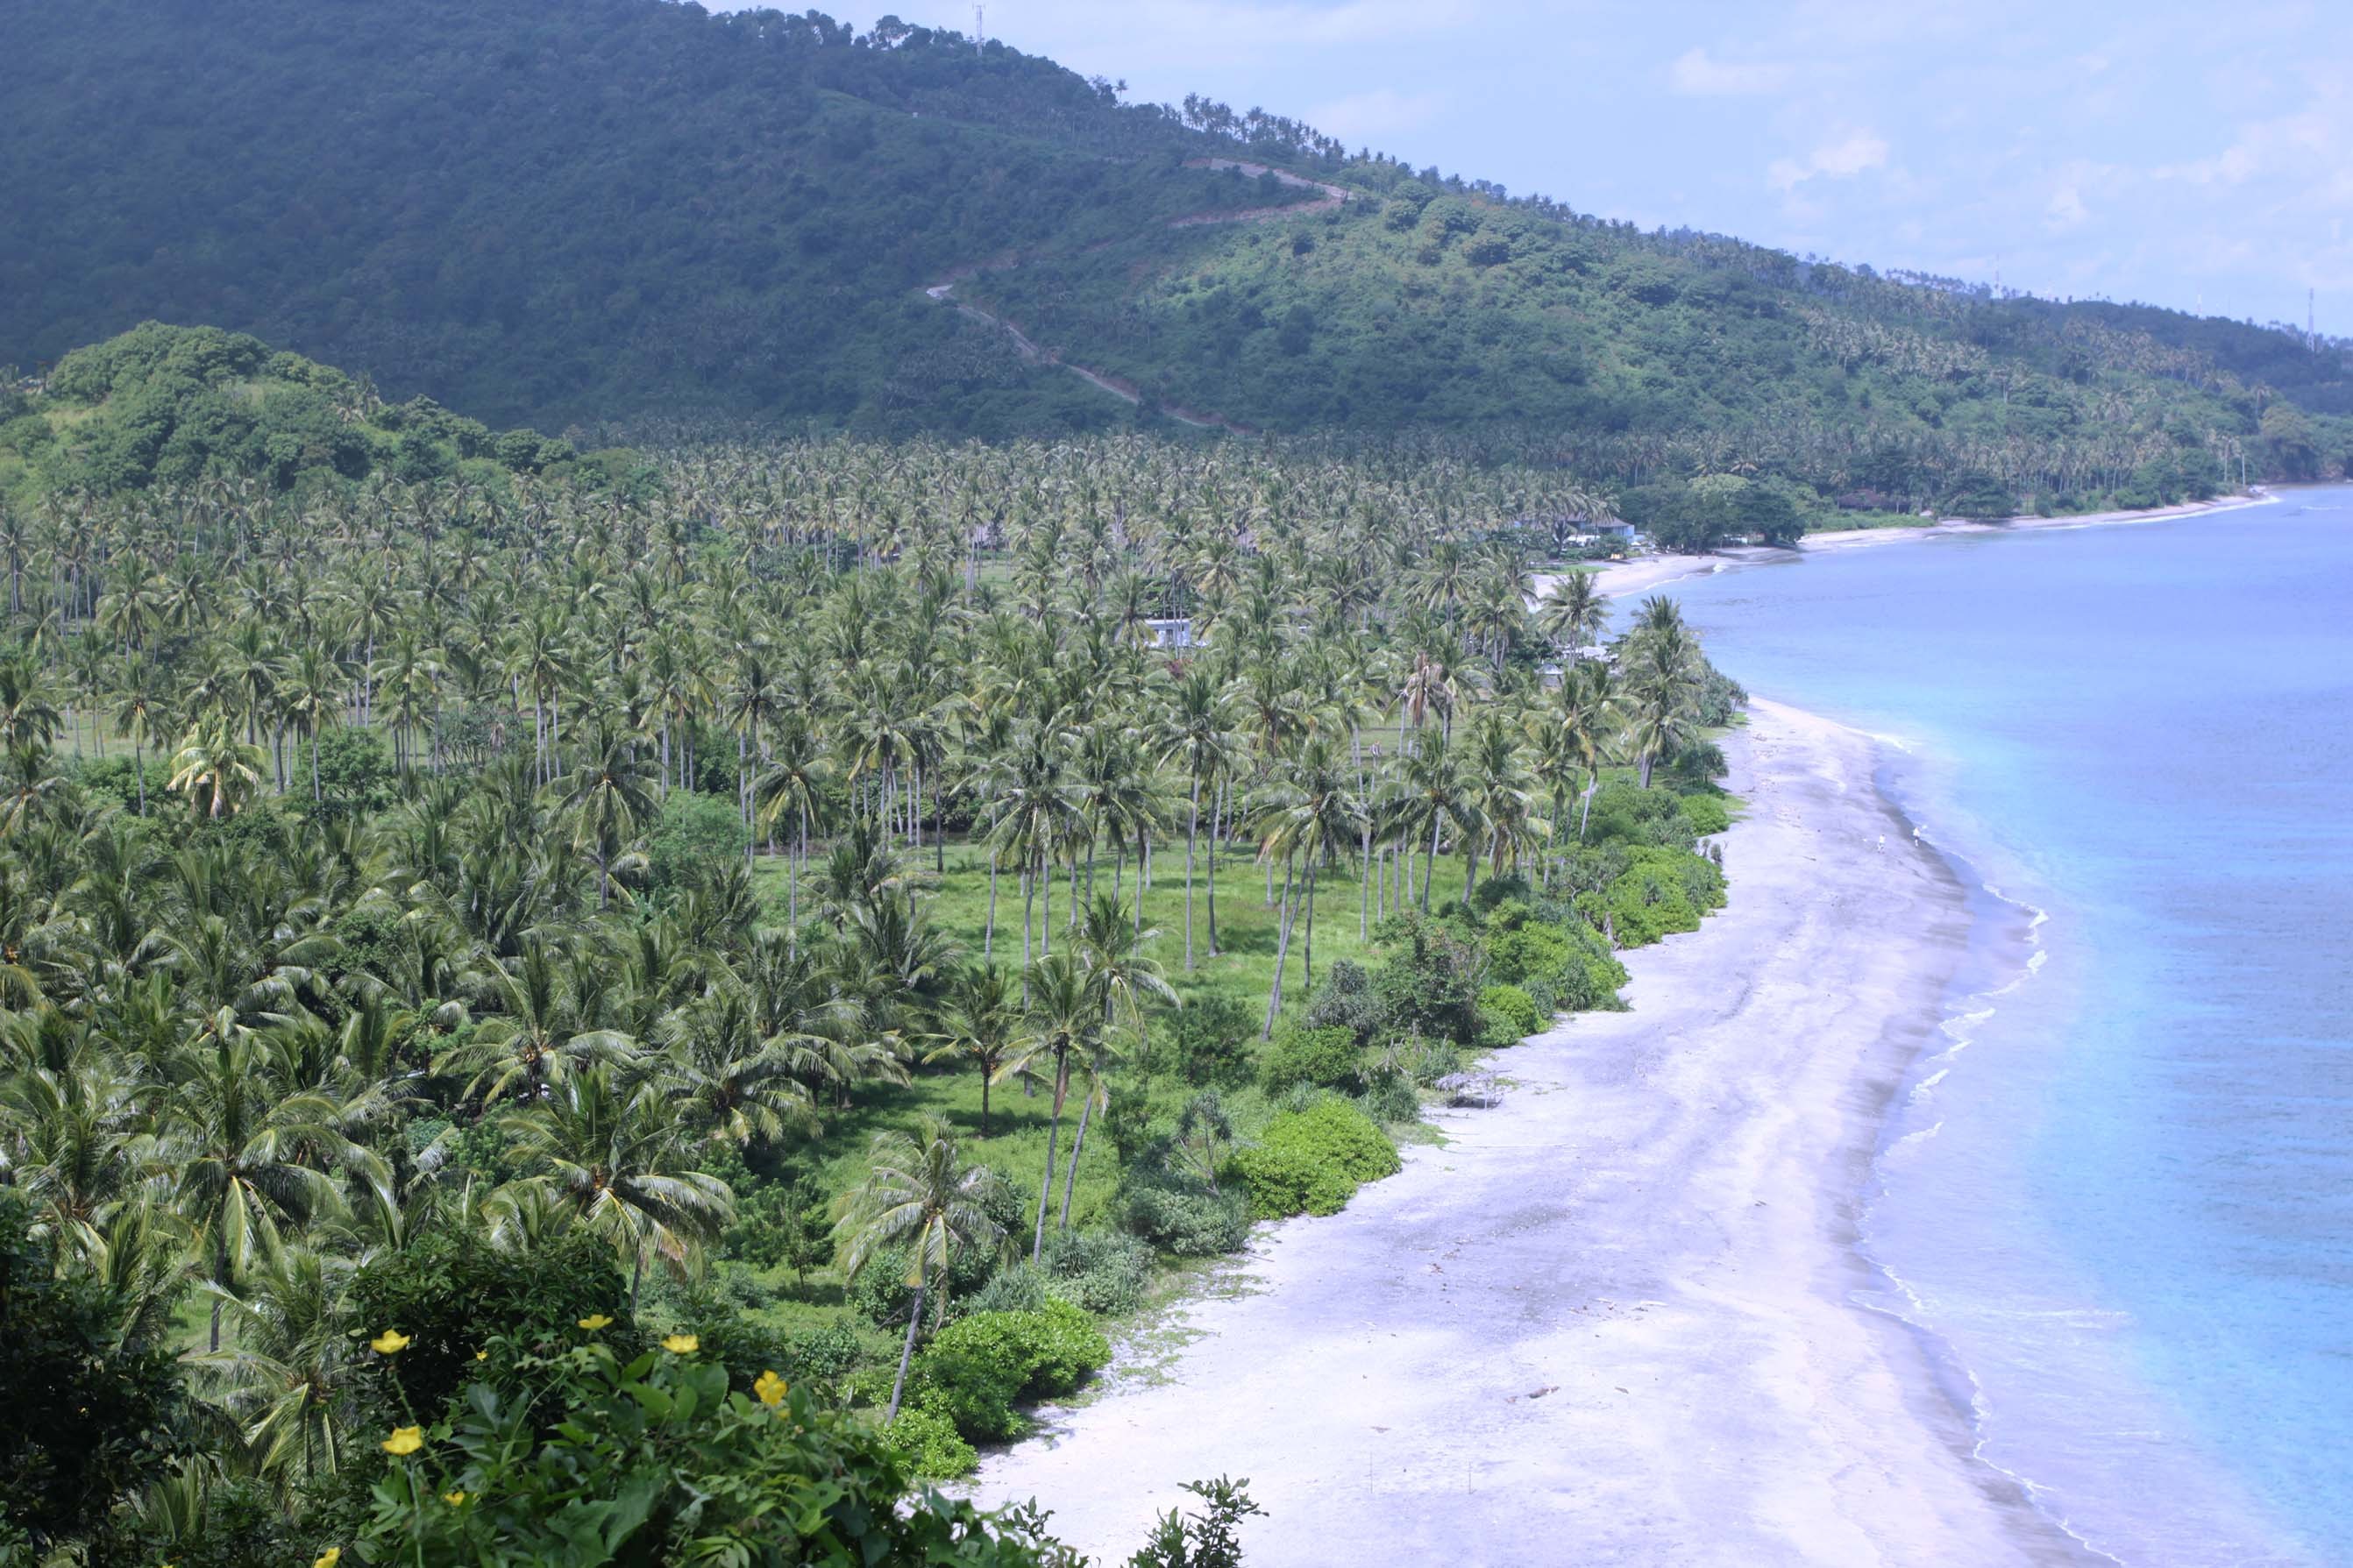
1618	1318
1649	572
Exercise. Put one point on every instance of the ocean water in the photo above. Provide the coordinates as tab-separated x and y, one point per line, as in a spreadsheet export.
2119	1205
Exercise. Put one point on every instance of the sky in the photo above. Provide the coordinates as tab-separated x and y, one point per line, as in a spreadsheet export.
2197	155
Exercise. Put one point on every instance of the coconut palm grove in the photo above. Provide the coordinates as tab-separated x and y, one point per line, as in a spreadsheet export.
866	914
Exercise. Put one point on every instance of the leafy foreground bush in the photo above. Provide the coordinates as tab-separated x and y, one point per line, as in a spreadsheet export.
1312	1160
1209	1539
581	1457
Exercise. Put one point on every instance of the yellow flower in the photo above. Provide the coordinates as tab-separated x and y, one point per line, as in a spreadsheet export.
770	1388
404	1441
481	1355
681	1344
391	1341
453	1498
329	1558
595	1320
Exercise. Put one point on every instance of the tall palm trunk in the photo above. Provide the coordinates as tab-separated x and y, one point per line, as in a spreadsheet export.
1281	952
1192	837
1078	1145
1216	811
1436	820
1311	929
907	1354
1054	1133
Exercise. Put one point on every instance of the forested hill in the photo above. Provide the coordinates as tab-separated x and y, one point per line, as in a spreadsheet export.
561	212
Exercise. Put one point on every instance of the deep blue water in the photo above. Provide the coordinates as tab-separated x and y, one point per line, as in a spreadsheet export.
2121	1204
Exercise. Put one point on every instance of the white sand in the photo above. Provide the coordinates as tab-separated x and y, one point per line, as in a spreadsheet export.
1645	573
1612	1320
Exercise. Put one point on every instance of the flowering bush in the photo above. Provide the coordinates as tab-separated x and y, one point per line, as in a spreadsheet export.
580	1458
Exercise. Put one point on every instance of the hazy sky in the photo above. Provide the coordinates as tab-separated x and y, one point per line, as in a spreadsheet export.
2166	151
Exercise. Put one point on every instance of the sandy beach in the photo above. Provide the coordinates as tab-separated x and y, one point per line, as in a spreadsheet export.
1647	572
1612	1320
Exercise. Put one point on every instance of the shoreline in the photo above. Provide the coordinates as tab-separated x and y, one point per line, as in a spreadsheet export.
1623	1317
1621	579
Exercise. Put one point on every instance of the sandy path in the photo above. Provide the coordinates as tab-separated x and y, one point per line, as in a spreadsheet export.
1333	196
1610	1321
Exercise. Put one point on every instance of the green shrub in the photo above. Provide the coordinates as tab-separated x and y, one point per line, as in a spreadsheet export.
1104	1271
1388	1097
1180	1215
822	1353
1285	1182
1326	1058
979	1368
1346	1001
929	1443
584	1457
1514	1006
1021	1289
1428	981
1706	813
693	836
1312	1160
1212	1042
1660	891
879	1293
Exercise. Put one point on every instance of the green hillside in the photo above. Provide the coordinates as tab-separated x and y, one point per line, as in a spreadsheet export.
172	407
635	213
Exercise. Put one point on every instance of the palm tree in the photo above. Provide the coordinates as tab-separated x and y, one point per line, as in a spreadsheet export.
247	1152
1306	817
1066	1016
1112	956
286	1377
793	787
1196	734
1499	795
137	701
314	690
1572	611
723	1075
1432	792
919	1196
979	1024
614	1157
1581	723
607	796
218	770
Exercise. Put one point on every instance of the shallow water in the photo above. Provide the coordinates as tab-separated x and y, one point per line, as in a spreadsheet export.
2121	1202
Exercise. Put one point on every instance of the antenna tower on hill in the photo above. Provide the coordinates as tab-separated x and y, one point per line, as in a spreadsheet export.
979	34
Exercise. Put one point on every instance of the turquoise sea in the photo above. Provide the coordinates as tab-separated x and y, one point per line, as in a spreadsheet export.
2118	1204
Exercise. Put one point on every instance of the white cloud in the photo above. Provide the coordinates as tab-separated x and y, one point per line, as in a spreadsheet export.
2066	208
1382	111
1843	159
1695	74
2309	146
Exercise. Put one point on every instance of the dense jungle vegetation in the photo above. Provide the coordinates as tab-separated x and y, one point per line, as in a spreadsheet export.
633	212
635	1008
